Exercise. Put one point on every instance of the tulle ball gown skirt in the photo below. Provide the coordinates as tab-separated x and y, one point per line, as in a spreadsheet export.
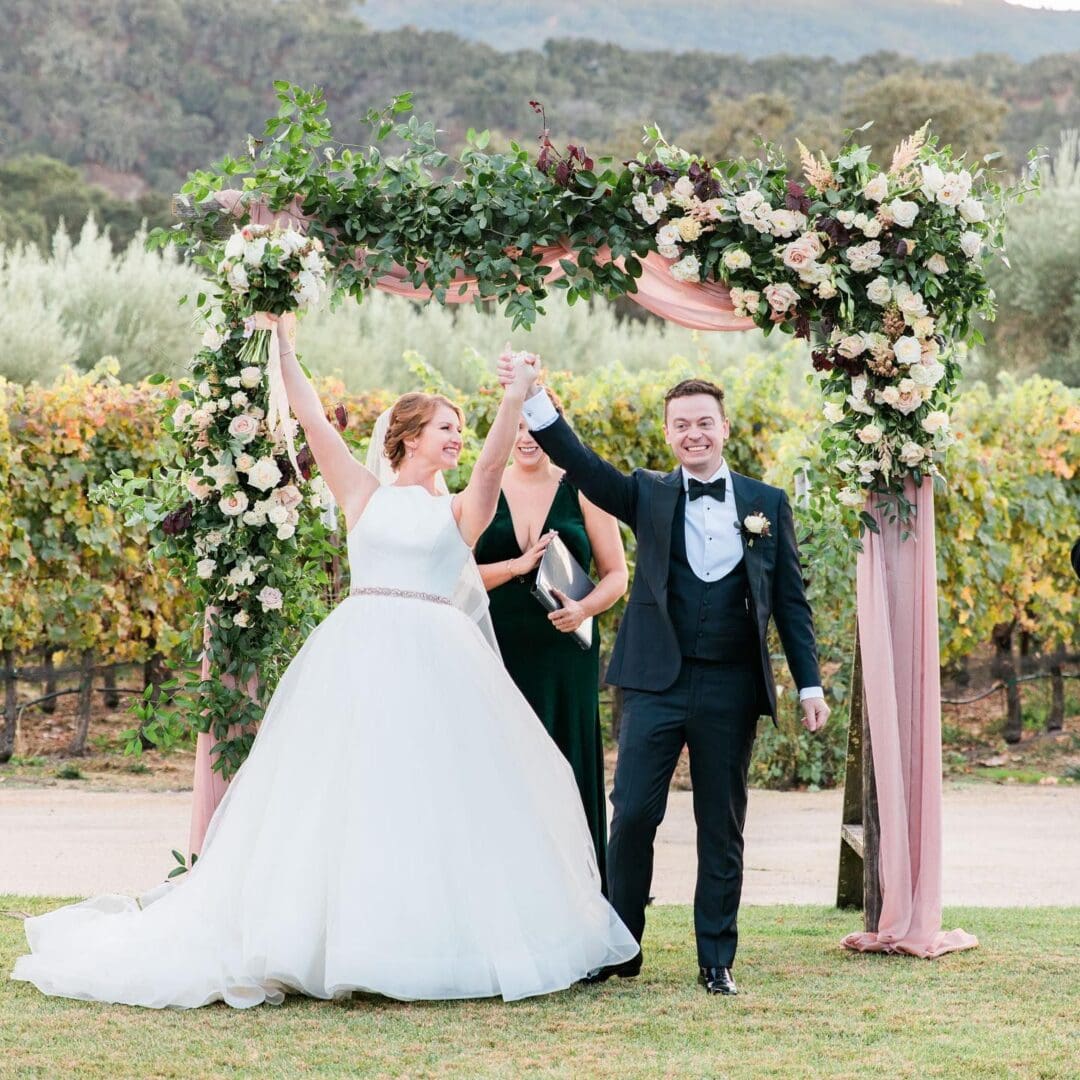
404	826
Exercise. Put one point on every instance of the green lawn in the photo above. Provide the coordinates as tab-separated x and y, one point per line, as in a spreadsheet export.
807	1009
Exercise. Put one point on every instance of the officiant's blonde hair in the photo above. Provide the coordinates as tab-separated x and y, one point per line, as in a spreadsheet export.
409	416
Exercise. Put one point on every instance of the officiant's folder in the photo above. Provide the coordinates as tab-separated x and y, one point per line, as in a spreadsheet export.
560	570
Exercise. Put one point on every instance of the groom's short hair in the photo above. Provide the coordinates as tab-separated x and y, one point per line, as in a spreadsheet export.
690	387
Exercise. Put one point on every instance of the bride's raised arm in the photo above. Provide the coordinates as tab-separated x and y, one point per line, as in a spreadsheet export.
350	482
475	506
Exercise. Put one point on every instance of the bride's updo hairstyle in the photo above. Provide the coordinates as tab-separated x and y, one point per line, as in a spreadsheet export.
408	418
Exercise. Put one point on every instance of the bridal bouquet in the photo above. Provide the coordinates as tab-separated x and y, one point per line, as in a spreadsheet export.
880	269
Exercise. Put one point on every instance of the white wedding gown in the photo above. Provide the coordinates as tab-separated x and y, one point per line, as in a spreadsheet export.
403	825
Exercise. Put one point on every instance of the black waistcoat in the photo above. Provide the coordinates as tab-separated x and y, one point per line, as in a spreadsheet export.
712	618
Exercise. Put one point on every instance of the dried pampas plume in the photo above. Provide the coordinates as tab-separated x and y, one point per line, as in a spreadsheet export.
906	153
818	173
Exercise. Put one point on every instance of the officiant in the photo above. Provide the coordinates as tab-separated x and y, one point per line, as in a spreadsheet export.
543	654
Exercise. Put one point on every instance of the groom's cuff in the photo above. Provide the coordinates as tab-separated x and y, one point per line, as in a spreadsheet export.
539	412
806	691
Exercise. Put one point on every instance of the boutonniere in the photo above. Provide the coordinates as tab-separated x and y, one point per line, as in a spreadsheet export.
753	526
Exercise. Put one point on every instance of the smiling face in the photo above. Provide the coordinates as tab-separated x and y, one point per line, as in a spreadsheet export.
696	430
527	452
439	442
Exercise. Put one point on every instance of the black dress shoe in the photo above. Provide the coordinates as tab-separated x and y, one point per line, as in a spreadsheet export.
718	980
628	969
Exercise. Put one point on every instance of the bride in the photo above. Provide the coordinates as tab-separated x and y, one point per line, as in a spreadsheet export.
404	824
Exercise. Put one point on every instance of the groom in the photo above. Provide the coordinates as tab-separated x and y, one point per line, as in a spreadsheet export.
716	559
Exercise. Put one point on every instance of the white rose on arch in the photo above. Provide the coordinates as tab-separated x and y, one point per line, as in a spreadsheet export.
911	453
270	598
205	568
926	374
879	291
937	264
748	201
851	497
935	421
834	413
233	505
904	212
932	181
972	211
870	434
908	350
971	244
736	259
667	235
687	269
243	428
851	346
781	296
877	189
264	474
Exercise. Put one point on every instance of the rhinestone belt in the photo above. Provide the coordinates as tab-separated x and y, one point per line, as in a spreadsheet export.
407	594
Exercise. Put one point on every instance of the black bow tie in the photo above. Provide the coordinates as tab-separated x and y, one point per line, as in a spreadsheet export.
715	488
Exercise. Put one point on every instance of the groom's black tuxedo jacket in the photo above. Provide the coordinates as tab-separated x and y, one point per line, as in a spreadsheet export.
647	654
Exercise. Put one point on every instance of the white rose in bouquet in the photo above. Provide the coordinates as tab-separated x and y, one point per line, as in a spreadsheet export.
254	250
264	474
237	278
879	291
233	505
234	246
649	215
877	189
736	259
308	289
205	568
250	376
659	201
668	251
846	217
971	244
290	241
872	228
908	349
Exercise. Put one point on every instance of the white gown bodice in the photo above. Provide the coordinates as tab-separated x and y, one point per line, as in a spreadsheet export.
407	539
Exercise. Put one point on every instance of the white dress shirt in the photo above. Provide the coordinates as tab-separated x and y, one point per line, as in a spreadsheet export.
713	542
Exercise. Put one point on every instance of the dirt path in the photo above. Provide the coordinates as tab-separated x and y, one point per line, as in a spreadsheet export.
1003	845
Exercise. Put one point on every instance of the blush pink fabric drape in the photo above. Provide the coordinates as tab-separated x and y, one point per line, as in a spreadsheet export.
898	636
208	784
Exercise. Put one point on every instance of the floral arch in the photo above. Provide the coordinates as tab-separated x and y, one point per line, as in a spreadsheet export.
878	269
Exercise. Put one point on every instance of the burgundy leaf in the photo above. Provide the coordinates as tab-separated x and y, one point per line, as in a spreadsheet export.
341	415
821	361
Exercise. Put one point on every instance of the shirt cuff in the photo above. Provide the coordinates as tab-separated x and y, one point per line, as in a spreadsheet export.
539	412
806	691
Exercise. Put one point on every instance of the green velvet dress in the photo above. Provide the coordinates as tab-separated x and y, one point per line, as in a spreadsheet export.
558	678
